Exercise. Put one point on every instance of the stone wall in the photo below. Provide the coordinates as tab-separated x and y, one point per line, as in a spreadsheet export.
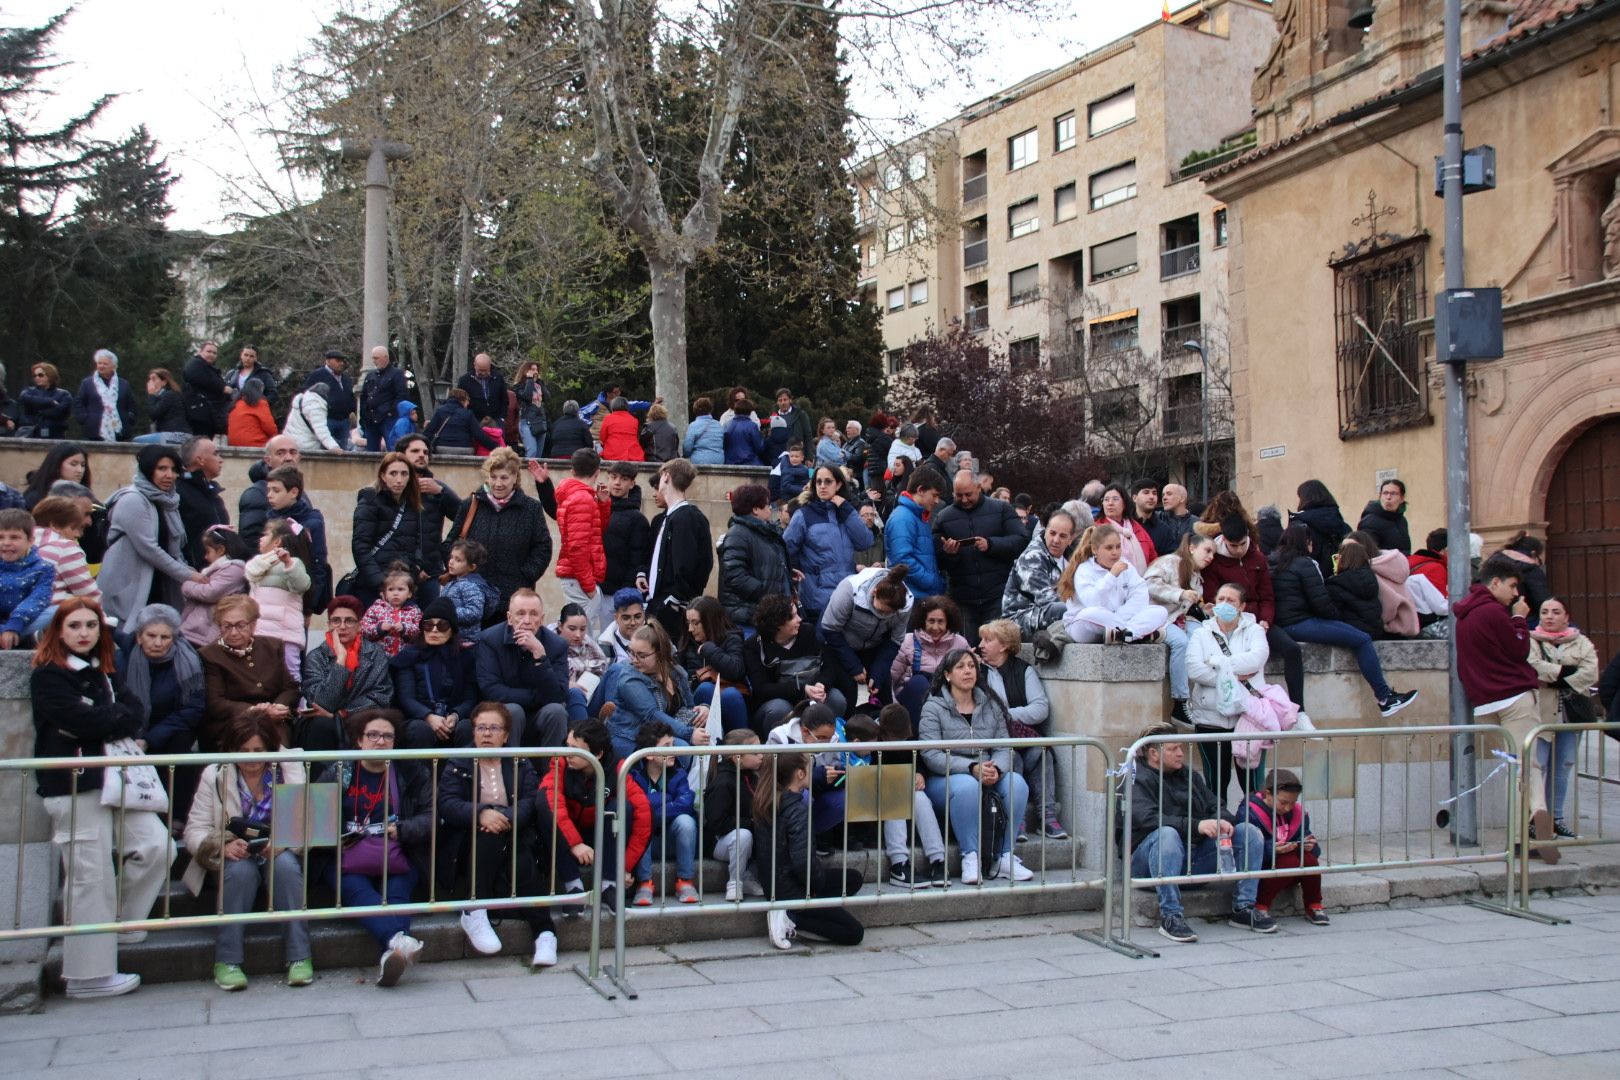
334	480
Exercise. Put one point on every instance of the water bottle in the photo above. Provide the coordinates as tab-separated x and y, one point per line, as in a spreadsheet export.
1228	863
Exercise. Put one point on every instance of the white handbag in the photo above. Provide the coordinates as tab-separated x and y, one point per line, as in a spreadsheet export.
133	787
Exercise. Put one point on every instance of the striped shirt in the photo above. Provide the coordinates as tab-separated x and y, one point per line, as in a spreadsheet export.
73	577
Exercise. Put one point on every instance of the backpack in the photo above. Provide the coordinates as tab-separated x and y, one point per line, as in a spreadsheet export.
992	832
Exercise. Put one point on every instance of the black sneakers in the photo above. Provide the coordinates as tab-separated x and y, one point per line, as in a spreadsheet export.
1175	928
937	877
1396	702
900	876
1253	919
1046	650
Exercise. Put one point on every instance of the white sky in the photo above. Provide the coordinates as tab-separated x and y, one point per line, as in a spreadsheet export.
180	64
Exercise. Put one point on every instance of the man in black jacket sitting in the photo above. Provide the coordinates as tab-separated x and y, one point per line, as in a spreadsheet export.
682	552
1166	798
524	666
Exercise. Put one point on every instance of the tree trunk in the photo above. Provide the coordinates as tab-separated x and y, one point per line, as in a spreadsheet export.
461	322
669	334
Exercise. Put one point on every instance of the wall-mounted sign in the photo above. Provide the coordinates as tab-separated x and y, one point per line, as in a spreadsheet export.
1386	475
1269	452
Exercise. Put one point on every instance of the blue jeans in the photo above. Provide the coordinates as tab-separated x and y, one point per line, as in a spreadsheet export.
1176	638
532	443
359	890
172	438
1333	632
682	833
340	431
1560	771
733	706
1163	853
965	799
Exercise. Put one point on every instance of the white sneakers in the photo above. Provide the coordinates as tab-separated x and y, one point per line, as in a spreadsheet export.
103	986
748	886
545	950
401	953
970	868
1012	866
781	929
733	891
475	924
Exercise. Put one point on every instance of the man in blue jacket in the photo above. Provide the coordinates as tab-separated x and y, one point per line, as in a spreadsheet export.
340	403
908	538
524	666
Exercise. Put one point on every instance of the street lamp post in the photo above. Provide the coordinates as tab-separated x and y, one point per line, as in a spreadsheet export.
1203	418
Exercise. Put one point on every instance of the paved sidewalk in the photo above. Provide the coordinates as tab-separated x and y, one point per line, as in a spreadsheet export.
1433	992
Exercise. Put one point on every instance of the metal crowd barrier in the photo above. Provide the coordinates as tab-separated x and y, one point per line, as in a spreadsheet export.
306	819
1049	876
1407	783
1603	774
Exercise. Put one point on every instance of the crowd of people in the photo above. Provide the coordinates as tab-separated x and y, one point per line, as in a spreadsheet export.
877	585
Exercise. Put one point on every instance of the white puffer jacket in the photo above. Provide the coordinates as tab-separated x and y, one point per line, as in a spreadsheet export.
1206	660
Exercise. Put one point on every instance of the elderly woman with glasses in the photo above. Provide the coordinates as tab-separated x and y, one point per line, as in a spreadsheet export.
345	674
437	683
387	813
242	674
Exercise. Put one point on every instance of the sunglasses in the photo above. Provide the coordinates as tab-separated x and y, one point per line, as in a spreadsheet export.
436	626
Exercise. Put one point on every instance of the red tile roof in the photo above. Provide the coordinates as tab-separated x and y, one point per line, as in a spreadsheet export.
1530	18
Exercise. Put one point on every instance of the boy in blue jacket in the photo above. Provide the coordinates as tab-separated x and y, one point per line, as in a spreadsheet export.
669	801
405	425
1275	810
26	581
790	474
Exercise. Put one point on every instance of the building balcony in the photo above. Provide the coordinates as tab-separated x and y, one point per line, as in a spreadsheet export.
1178	261
975	188
976	319
1183	420
976	253
1173	341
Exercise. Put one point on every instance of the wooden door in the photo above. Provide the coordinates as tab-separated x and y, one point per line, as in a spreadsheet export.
1583	534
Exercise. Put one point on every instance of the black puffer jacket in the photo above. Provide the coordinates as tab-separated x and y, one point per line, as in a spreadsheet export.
1355	593
374	513
1302	593
76	710
167	411
726	657
788	847
1170	799
978	577
627	542
1389	529
754	563
516	538
568	434
1328	531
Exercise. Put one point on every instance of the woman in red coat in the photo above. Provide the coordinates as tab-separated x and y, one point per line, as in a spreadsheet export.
621	434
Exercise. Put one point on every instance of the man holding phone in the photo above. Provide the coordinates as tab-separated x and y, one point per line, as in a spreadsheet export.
979	539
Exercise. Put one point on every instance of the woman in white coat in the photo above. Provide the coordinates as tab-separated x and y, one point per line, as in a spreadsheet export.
1104	598
1232	643
306	421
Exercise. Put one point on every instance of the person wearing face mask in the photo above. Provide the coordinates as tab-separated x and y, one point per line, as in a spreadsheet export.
1229	643
1238	560
145	561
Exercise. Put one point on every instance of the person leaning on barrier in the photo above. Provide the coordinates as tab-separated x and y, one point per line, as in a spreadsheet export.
388	815
488	805
728	814
568	795
227	833
962	710
1167	796
78	708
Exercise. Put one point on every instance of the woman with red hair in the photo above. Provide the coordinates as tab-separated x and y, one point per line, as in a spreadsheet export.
78	708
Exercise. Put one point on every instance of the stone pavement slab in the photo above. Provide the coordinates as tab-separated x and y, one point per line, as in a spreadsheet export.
1435	994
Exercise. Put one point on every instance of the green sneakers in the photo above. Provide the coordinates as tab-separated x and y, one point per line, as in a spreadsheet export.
230	977
301	972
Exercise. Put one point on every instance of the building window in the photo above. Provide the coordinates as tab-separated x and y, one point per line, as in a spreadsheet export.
1116	409
1113	258
916	166
919	293
1111	112
1023	218
916	231
1183	405
1024	354
1023	149
1063	133
891	177
897	299
897	361
1113	185
1377	298
1220	227
895	238
1023	286
1114	333
1064	203
871	255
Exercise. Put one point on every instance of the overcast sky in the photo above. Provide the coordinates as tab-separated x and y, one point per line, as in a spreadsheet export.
179	64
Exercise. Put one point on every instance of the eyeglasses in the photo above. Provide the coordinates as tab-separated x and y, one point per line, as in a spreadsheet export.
436	626
342	620
377	736
639	655
489	729
235	625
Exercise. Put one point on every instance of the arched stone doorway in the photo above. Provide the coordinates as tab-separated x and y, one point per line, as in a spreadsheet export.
1583	533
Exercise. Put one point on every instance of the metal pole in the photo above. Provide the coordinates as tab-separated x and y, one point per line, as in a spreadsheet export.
1465	822
375	318
1203	417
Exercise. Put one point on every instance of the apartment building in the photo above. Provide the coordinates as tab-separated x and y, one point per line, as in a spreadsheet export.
1064	216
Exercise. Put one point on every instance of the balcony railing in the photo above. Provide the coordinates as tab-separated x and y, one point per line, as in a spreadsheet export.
975	187
976	319
976	253
1178	261
1183	419
1174	339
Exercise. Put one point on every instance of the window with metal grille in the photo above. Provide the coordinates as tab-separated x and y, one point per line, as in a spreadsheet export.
1377	298
1024	354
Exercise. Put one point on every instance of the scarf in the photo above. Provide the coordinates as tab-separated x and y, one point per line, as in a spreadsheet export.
188	673
111	425
1559	637
167	505
242	653
498	504
351	658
